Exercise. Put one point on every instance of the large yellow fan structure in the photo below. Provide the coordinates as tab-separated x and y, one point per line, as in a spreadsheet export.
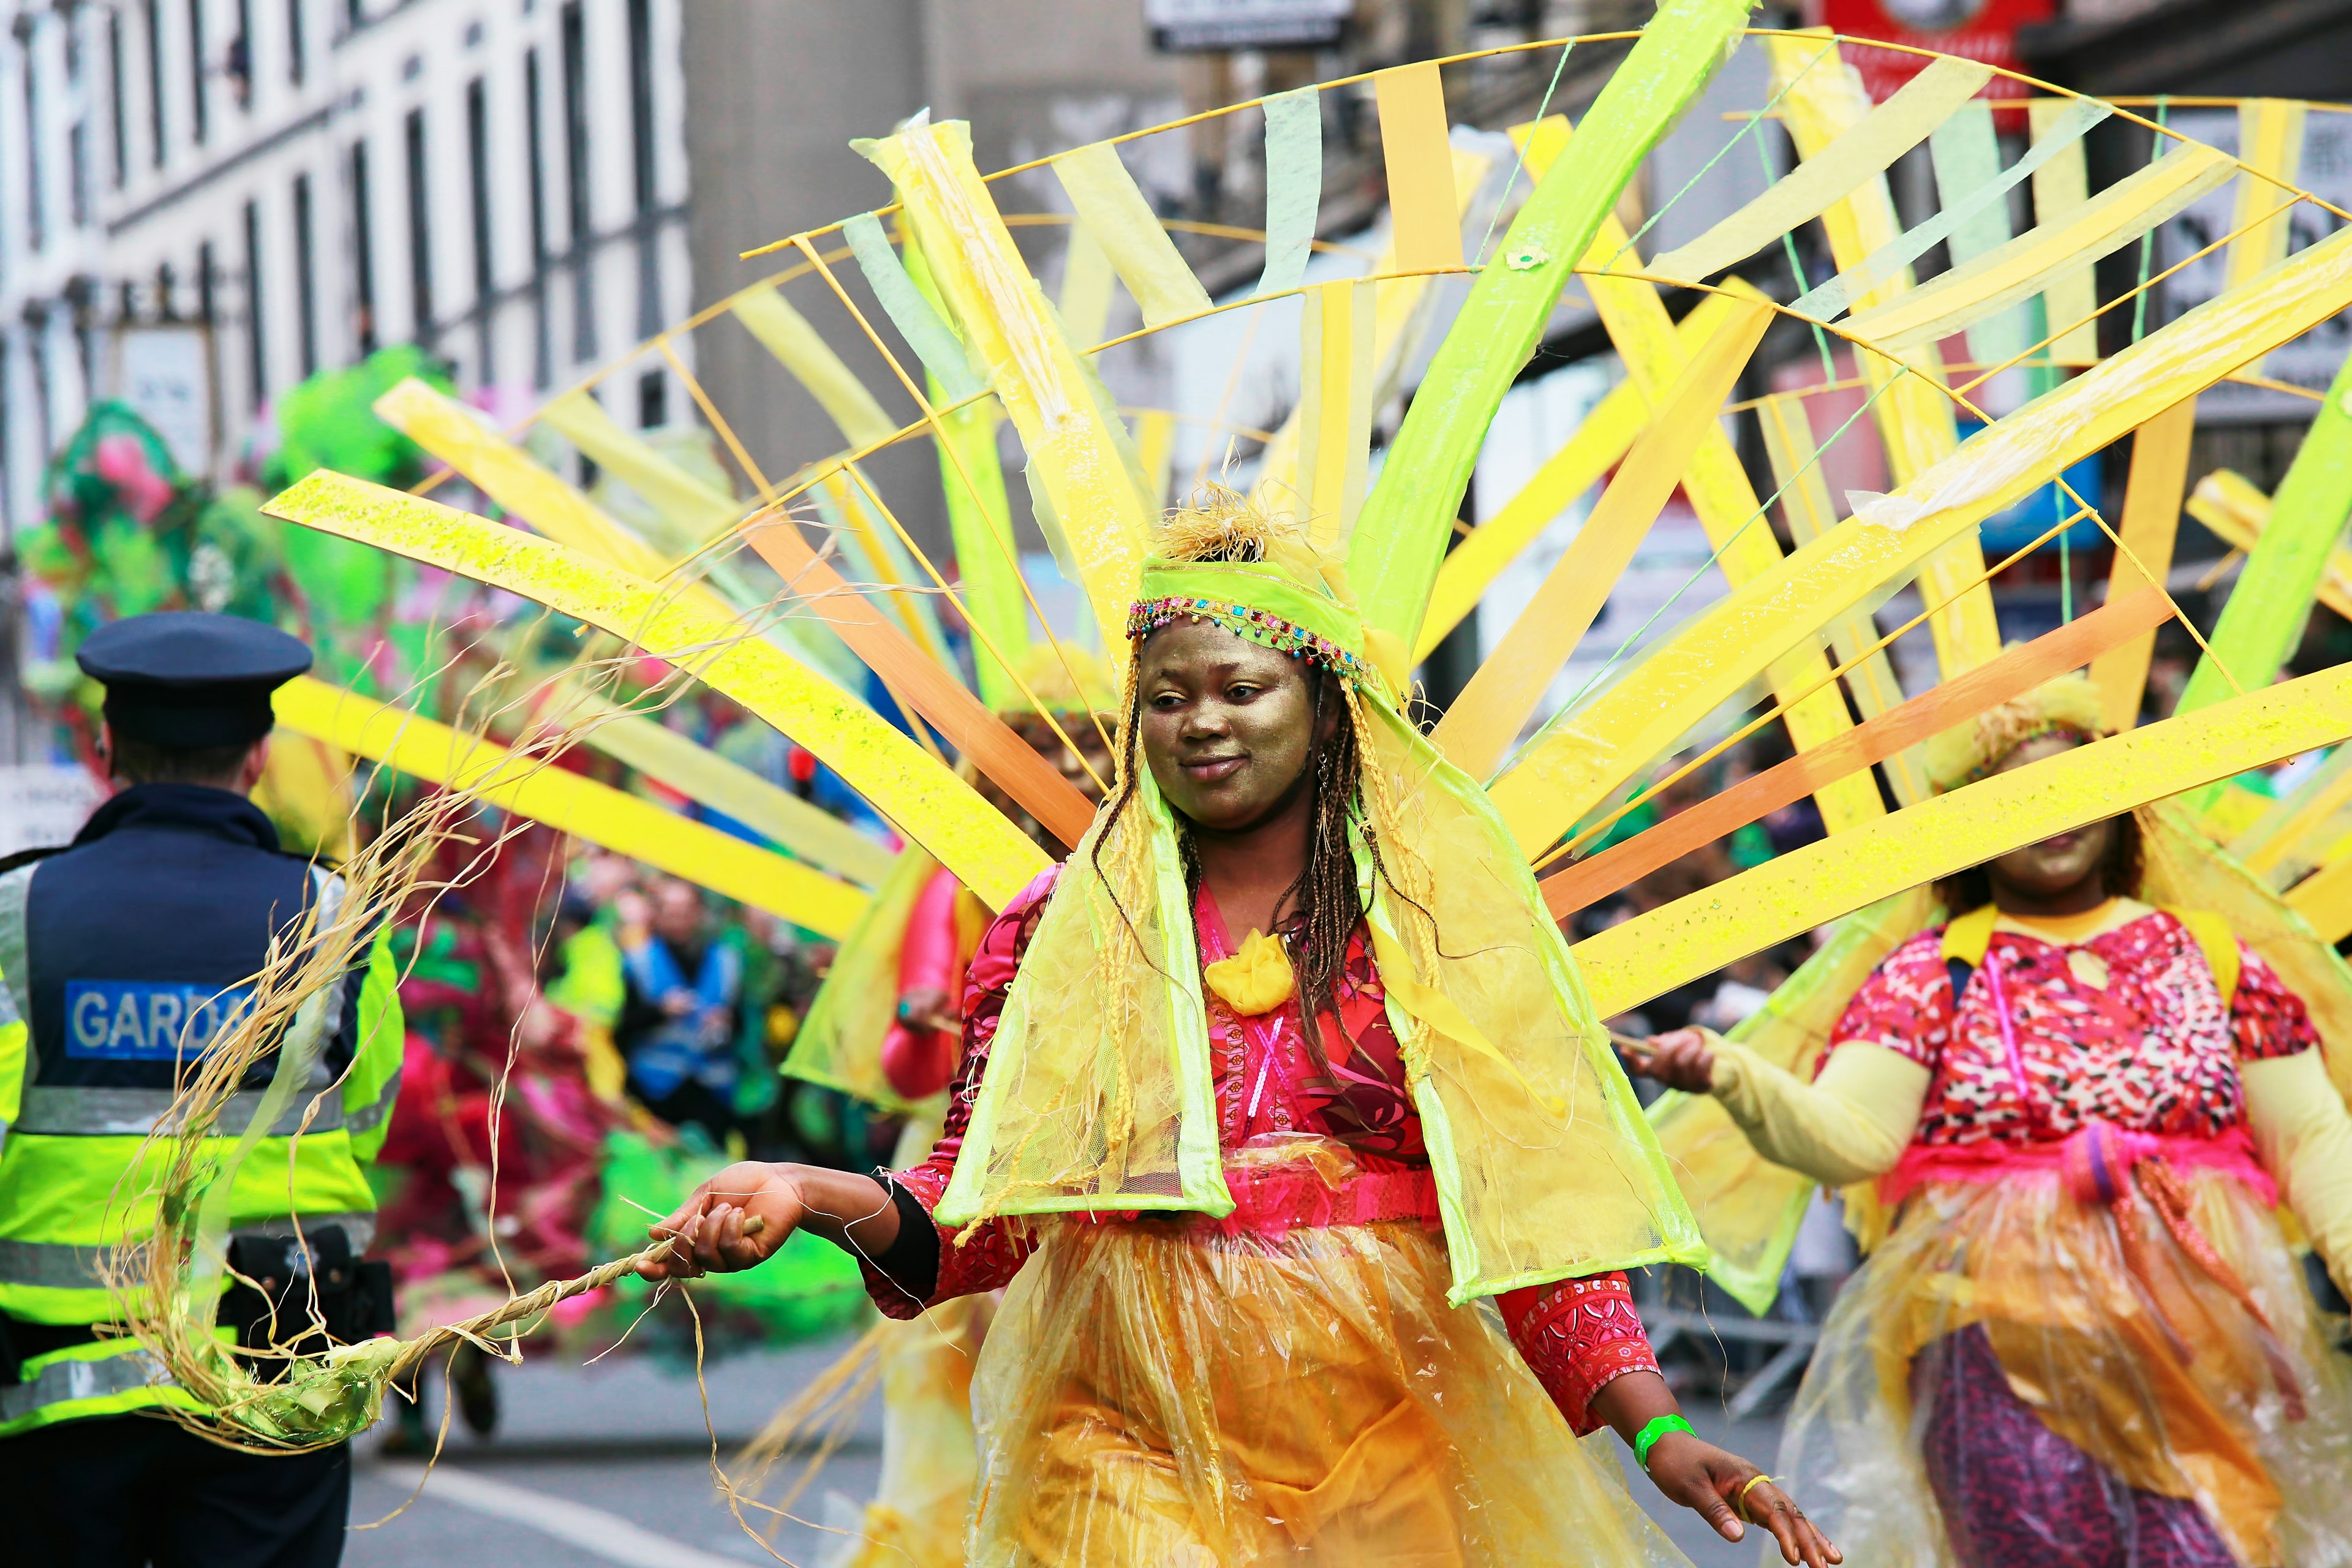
970	338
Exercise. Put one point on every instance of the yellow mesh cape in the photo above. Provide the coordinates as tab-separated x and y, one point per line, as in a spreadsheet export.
1748	1207
1098	1094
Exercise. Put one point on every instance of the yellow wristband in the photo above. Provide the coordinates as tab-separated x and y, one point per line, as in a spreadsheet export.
1740	1503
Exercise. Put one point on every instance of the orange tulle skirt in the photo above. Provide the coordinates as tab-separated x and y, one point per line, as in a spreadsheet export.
1161	1393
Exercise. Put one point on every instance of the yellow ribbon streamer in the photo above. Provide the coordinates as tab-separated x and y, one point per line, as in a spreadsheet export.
569	803
784	332
917	793
1424	207
1114	212
1676	942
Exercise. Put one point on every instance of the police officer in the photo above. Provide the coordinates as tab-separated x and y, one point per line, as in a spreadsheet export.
126	953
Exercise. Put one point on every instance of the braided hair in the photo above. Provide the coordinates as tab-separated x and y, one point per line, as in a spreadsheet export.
1325	896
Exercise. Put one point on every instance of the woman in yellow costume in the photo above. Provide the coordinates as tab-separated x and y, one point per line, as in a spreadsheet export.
2085	1340
884	1027
1244	1194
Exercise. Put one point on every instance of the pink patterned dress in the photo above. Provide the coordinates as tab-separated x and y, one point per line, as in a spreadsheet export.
1577	1335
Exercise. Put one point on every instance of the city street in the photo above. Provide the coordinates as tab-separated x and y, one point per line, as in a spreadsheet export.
611	1464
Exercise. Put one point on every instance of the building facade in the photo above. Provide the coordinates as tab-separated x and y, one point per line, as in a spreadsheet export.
288	184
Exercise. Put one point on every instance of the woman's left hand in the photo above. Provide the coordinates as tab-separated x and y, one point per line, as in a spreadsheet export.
1724	1489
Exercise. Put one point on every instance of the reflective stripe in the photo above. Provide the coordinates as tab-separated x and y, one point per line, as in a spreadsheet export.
79	1378
367	1115
61	1266
14	888
63	1111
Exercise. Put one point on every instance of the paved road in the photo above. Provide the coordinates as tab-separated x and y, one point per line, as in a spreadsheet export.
611	1464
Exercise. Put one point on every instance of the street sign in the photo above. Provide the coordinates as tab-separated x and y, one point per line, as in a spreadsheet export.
1180	26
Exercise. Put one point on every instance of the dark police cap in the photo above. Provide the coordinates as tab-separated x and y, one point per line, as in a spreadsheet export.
183	678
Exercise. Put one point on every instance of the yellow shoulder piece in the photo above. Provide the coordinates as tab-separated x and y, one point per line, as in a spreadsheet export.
1967	937
2220	942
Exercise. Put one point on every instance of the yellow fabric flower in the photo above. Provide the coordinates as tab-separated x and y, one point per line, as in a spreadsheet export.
1257	979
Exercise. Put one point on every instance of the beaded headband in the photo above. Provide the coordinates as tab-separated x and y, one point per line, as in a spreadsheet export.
1260	627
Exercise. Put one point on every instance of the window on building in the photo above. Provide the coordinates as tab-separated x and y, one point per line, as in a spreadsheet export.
542	369
207	269
257	356
575	34
306	282
420	230
575	121
354	13
296	61
363	252
78	171
115	119
35	225
641	101
653	400
477	180
7	454
196	70
152	15
240	66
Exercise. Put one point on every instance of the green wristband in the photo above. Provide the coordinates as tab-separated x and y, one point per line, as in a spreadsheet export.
1658	1427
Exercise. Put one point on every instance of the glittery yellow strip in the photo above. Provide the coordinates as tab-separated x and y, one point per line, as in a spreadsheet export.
570	803
920	796
1678	943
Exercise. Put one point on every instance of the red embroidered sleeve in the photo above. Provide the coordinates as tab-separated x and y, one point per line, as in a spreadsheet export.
1577	1336
1906	1005
2266	1019
994	1254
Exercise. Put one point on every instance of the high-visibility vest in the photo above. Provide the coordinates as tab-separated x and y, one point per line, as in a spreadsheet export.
122	956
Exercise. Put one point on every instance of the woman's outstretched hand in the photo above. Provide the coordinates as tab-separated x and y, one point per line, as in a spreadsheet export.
1683	1059
1724	1489
736	1220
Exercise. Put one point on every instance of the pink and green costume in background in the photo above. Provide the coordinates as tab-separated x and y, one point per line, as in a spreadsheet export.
2107	1354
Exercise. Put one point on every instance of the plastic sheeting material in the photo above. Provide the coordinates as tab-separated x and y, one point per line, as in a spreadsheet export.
1294	186
1998	1383
1160	1393
910	309
1114	212
1422	206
